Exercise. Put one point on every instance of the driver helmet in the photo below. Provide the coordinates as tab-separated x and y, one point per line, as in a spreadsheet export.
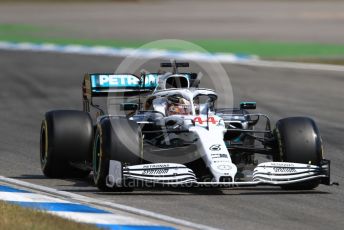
178	106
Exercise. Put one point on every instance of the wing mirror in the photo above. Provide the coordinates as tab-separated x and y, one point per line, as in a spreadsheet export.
248	105
129	106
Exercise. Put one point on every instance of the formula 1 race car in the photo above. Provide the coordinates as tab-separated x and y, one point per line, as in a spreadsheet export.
162	128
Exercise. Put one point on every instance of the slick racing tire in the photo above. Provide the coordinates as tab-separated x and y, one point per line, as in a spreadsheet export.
66	136
298	141
116	139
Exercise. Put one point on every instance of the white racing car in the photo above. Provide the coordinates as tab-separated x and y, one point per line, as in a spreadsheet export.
164	129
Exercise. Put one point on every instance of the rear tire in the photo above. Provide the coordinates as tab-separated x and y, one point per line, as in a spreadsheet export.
66	136
115	139
298	141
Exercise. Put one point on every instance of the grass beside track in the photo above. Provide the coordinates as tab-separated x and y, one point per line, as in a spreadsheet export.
313	52
16	217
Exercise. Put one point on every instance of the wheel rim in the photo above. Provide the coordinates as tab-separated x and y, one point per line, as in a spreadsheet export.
96	157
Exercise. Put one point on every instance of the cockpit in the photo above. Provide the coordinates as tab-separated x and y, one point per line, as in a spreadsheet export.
181	103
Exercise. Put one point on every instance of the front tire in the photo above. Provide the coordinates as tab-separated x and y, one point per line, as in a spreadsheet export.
298	140
115	139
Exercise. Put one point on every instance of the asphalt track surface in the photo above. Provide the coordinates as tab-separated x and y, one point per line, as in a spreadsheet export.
32	83
258	20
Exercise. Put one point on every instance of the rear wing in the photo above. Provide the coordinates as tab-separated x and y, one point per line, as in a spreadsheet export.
103	84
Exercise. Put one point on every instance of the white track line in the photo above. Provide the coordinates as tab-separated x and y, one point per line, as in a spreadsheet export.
100	218
124	52
60	207
89	200
293	65
249	60
28	197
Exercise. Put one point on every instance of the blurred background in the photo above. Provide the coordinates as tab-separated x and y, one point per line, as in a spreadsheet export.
303	30
289	30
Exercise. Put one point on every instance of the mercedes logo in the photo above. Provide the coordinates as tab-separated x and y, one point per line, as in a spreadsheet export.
215	148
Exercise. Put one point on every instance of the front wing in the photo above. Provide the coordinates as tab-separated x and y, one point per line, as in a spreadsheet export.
268	173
